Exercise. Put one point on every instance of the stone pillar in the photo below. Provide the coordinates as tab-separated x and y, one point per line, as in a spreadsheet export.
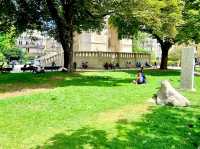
187	71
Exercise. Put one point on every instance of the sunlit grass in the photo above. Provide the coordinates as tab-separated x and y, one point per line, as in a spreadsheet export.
94	109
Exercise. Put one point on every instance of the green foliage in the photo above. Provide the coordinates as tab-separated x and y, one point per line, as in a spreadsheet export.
138	40
127	28
13	54
155	17
139	50
160	18
7	39
7	45
173	63
59	18
189	31
2	58
53	15
175	54
176	20
26	57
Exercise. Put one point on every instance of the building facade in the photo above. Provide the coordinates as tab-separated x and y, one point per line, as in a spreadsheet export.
38	44
105	41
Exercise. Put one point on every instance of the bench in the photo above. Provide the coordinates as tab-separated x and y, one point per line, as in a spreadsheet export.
30	68
6	69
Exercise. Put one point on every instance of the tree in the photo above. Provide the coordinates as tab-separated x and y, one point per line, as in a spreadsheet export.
159	18
175	54
138	41
7	46
189	31
14	54
59	18
7	40
2	58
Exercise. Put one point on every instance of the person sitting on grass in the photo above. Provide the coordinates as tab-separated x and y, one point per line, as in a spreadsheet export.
140	78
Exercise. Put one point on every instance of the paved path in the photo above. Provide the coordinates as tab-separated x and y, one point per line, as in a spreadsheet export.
17	69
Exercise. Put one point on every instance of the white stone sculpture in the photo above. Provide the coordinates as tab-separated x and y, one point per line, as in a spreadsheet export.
167	95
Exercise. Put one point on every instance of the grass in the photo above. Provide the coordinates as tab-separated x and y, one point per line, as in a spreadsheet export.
94	110
197	69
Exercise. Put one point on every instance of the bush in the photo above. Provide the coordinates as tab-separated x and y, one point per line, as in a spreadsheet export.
175	54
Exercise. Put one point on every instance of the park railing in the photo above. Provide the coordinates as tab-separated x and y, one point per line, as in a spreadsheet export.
96	59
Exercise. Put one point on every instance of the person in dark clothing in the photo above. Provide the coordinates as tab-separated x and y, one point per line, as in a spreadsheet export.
143	75
74	65
117	65
155	64
140	77
84	65
106	66
111	66
53	64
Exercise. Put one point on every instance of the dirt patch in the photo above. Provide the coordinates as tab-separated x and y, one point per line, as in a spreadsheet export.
133	111
57	78
21	92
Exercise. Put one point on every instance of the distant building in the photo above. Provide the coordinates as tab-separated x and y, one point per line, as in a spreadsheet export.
106	41
38	44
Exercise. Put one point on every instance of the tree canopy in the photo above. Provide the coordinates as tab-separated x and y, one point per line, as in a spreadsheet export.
59	18
160	18
189	30
169	21
8	50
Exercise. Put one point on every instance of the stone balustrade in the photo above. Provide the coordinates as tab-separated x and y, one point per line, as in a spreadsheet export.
96	59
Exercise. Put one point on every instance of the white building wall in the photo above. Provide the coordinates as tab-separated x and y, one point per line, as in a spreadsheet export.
126	45
86	41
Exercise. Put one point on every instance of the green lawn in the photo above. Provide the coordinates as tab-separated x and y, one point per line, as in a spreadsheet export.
94	110
197	69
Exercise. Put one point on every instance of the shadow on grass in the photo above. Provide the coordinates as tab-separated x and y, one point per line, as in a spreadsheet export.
163	128
17	82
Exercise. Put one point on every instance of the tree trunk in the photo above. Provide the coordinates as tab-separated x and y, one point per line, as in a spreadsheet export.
165	46
65	31
67	44
164	59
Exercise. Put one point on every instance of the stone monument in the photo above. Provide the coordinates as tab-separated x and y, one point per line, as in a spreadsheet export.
187	68
167	95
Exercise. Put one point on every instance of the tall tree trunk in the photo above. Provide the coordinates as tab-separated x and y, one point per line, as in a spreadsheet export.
164	59
65	31
165	44
68	50
67	44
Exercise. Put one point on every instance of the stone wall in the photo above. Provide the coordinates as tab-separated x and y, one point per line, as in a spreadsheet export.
198	51
96	60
